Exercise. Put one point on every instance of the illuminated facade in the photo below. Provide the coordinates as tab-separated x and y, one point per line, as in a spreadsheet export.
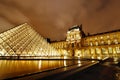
77	44
24	41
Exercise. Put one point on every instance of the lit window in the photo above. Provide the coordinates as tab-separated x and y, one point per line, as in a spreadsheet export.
102	42
108	36
110	50
117	49
109	42
95	38
96	43
101	37
116	41
91	44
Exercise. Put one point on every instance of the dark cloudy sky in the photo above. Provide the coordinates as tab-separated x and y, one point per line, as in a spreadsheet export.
52	18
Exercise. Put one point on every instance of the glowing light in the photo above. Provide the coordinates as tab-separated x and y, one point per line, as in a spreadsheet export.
93	61
116	41
116	59
101	37
98	57
79	63
108	36
65	57
1	53
65	64
68	32
95	38
93	57
91	44
40	64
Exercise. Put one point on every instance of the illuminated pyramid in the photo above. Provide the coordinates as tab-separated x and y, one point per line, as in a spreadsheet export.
25	41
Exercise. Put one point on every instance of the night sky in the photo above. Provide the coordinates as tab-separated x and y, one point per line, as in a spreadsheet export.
52	18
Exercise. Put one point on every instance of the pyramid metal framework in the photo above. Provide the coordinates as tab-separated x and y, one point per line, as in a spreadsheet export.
23	40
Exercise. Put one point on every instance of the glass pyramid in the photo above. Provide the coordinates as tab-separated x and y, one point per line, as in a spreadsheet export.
23	40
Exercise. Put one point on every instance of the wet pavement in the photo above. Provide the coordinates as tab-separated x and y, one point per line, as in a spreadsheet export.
109	70
18	68
12	68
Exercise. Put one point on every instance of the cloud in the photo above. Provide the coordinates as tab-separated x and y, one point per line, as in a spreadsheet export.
52	18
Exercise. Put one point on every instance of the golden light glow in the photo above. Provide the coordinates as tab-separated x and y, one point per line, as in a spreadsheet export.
25	41
107	44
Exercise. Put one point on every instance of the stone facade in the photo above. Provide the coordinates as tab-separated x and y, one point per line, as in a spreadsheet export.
107	44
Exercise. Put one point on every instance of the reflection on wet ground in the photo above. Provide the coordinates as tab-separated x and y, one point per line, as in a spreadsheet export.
114	65
53	58
12	68
109	70
18	67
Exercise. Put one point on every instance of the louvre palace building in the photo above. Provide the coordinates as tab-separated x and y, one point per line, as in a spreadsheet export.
23	40
79	44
